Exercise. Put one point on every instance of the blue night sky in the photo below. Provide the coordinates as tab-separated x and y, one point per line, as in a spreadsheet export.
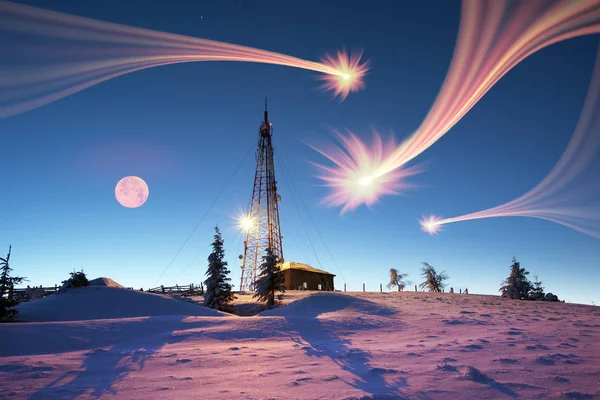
185	128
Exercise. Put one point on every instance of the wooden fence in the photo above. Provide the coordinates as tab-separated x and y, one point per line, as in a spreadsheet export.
35	291
178	290
402	289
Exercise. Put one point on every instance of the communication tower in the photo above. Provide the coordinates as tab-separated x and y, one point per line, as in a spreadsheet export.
263	231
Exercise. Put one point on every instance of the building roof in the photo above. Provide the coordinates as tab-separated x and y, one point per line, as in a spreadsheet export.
303	267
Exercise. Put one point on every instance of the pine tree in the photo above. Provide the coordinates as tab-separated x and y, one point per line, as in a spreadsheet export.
7	283
397	280
537	292
516	286
270	281
77	279
433	281
219	292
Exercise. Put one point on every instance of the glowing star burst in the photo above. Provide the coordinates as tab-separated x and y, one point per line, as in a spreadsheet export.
365	181
245	222
345	75
494	36
431	224
111	50
359	175
569	195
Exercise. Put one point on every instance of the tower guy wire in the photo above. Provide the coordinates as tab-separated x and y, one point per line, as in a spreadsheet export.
205	214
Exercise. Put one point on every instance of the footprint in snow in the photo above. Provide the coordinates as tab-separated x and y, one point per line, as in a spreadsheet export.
537	347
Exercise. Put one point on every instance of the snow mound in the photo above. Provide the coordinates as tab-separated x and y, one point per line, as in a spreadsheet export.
105	282
329	302
104	302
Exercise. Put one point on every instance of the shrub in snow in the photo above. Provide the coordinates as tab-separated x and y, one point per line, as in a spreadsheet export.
551	297
537	291
270	281
516	286
475	375
7	284
397	280
433	281
219	292
77	279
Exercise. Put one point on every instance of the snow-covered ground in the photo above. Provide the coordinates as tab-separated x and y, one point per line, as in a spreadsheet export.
321	346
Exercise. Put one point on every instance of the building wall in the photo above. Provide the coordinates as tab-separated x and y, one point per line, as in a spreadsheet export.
296	278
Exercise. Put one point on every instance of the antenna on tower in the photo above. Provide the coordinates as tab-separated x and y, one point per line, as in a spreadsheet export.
266	112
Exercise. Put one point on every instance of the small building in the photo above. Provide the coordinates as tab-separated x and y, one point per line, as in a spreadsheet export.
300	276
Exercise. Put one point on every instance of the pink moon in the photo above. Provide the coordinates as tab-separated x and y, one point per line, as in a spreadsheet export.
132	192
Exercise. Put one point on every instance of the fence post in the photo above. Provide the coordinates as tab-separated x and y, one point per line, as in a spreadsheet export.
363	287
344	287
460	291
380	288
415	288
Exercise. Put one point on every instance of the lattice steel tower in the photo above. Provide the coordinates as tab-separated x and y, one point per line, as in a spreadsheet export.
264	231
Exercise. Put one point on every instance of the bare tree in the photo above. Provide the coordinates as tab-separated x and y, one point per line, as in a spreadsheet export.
397	280
433	281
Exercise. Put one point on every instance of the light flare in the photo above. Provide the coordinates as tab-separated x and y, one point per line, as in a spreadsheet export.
357	178
245	223
348	75
365	181
569	195
494	36
78	53
431	224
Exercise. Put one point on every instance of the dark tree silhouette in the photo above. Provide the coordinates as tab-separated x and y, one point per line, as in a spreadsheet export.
516	286
537	291
270	281
7	284
433	281
77	279
219	292
397	280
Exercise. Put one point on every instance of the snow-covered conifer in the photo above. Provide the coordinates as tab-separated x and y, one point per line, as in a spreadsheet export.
537	291
7	284
270	280
219	292
77	279
516	286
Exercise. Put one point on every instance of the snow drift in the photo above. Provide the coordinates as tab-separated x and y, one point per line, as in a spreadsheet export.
106	302
404	345
105	282
320	304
